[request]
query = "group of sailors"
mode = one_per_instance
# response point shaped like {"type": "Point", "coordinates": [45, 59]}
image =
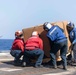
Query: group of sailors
{"type": "Point", "coordinates": [33, 46]}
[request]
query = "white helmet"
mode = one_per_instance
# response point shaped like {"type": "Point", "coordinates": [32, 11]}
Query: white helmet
{"type": "Point", "coordinates": [70, 24]}
{"type": "Point", "coordinates": [18, 33]}
{"type": "Point", "coordinates": [34, 33]}
{"type": "Point", "coordinates": [47, 25]}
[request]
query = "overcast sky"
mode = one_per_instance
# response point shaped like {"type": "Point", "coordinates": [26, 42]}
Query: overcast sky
{"type": "Point", "coordinates": [20, 14]}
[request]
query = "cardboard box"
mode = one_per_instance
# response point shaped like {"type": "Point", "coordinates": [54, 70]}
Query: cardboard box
{"type": "Point", "coordinates": [46, 43]}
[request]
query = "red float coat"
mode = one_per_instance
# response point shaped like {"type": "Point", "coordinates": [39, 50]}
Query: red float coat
{"type": "Point", "coordinates": [18, 44]}
{"type": "Point", "coordinates": [33, 43]}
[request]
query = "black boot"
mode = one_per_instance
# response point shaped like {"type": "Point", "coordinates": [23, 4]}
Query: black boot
{"type": "Point", "coordinates": [24, 64]}
{"type": "Point", "coordinates": [54, 67]}
{"type": "Point", "coordinates": [17, 62]}
{"type": "Point", "coordinates": [65, 67]}
{"type": "Point", "coordinates": [38, 66]}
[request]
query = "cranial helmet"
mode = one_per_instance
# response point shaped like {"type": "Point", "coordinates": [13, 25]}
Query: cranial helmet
{"type": "Point", "coordinates": [34, 33]}
{"type": "Point", "coordinates": [18, 33]}
{"type": "Point", "coordinates": [70, 25]}
{"type": "Point", "coordinates": [47, 25]}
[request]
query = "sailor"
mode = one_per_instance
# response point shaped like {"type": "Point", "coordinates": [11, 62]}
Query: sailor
{"type": "Point", "coordinates": [72, 37]}
{"type": "Point", "coordinates": [34, 48]}
{"type": "Point", "coordinates": [17, 49]}
{"type": "Point", "coordinates": [57, 36]}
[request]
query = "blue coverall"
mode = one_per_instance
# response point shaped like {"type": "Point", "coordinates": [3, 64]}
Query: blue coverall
{"type": "Point", "coordinates": [72, 37]}
{"type": "Point", "coordinates": [56, 35]}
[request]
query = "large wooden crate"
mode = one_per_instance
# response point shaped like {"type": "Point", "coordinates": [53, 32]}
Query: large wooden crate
{"type": "Point", "coordinates": [46, 43]}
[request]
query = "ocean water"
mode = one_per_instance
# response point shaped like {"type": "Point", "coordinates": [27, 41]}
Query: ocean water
{"type": "Point", "coordinates": [5, 44]}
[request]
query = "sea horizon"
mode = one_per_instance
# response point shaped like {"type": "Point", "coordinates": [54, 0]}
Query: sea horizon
{"type": "Point", "coordinates": [5, 44]}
